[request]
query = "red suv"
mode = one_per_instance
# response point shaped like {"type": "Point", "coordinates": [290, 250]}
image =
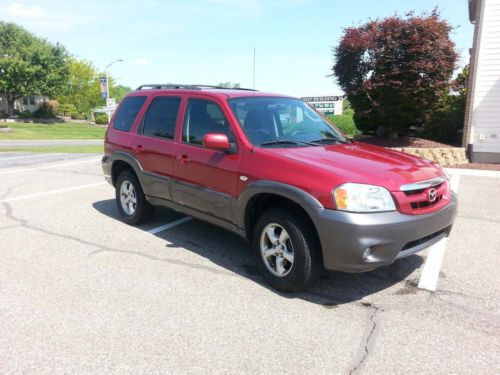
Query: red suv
{"type": "Point", "coordinates": [275, 171]}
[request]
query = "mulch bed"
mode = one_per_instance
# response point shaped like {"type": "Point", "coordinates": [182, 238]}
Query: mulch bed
{"type": "Point", "coordinates": [403, 142]}
{"type": "Point", "coordinates": [423, 143]}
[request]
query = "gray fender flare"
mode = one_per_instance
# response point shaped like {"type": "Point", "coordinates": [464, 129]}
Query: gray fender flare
{"type": "Point", "coordinates": [309, 203]}
{"type": "Point", "coordinates": [129, 159]}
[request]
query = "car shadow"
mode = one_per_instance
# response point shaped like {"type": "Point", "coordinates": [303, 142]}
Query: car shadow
{"type": "Point", "coordinates": [231, 252]}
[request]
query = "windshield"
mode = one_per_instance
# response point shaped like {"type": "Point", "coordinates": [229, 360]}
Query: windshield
{"type": "Point", "coordinates": [283, 122]}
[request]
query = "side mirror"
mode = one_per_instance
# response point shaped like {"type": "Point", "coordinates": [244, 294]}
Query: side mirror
{"type": "Point", "coordinates": [216, 141]}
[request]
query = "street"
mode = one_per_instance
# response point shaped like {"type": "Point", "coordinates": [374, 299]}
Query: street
{"type": "Point", "coordinates": [80, 291]}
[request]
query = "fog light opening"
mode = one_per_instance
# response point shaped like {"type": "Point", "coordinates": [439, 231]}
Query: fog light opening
{"type": "Point", "coordinates": [367, 253]}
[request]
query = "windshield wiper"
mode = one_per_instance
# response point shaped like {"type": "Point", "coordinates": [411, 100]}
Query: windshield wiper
{"type": "Point", "coordinates": [287, 142]}
{"type": "Point", "coordinates": [329, 141]}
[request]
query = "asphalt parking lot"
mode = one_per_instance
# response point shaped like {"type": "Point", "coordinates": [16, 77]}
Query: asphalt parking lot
{"type": "Point", "coordinates": [80, 291]}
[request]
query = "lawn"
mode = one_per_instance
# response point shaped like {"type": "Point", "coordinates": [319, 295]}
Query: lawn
{"type": "Point", "coordinates": [98, 149]}
{"type": "Point", "coordinates": [22, 131]}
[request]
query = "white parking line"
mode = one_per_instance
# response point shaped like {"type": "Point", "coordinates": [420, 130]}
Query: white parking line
{"type": "Point", "coordinates": [169, 225]}
{"type": "Point", "coordinates": [50, 166]}
{"type": "Point", "coordinates": [430, 273]}
{"type": "Point", "coordinates": [29, 156]}
{"type": "Point", "coordinates": [472, 172]}
{"type": "Point", "coordinates": [50, 192]}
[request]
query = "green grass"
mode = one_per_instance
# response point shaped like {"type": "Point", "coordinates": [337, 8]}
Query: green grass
{"type": "Point", "coordinates": [22, 131]}
{"type": "Point", "coordinates": [98, 149]}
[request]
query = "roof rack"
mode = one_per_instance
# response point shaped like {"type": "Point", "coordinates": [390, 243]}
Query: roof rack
{"type": "Point", "coordinates": [175, 86]}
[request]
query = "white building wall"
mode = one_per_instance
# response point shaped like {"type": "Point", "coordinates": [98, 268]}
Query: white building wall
{"type": "Point", "coordinates": [485, 117]}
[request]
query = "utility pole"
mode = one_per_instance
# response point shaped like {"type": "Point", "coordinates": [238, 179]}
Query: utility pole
{"type": "Point", "coordinates": [253, 68]}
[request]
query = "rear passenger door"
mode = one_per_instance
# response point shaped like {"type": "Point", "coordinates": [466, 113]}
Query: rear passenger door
{"type": "Point", "coordinates": [154, 144]}
{"type": "Point", "coordinates": [206, 180]}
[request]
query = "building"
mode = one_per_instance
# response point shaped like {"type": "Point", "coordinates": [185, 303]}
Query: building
{"type": "Point", "coordinates": [482, 112]}
{"type": "Point", "coordinates": [329, 105]}
{"type": "Point", "coordinates": [27, 103]}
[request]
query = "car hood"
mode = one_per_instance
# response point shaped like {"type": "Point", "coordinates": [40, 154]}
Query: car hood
{"type": "Point", "coordinates": [364, 163]}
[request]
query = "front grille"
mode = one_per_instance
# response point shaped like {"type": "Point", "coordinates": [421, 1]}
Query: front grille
{"type": "Point", "coordinates": [417, 201]}
{"type": "Point", "coordinates": [425, 204]}
{"type": "Point", "coordinates": [420, 241]}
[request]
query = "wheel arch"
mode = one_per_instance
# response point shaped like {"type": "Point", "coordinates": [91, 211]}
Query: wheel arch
{"type": "Point", "coordinates": [122, 161]}
{"type": "Point", "coordinates": [261, 195]}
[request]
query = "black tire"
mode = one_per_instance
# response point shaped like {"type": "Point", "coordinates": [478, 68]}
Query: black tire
{"type": "Point", "coordinates": [306, 267]}
{"type": "Point", "coordinates": [143, 209]}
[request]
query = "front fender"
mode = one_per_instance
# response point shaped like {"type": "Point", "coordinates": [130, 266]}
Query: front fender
{"type": "Point", "coordinates": [309, 203]}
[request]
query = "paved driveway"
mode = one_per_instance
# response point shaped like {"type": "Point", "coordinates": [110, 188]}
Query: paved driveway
{"type": "Point", "coordinates": [80, 291]}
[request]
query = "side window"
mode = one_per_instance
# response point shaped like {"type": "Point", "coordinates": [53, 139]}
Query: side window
{"type": "Point", "coordinates": [128, 110]}
{"type": "Point", "coordinates": [202, 117]}
{"type": "Point", "coordinates": [161, 117]}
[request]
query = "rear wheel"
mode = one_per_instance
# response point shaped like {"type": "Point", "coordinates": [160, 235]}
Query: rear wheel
{"type": "Point", "coordinates": [132, 204]}
{"type": "Point", "coordinates": [286, 249]}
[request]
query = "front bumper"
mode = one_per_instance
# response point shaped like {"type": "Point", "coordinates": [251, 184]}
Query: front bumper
{"type": "Point", "coordinates": [358, 242]}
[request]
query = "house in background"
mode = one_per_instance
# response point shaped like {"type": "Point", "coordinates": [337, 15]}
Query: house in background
{"type": "Point", "coordinates": [27, 103]}
{"type": "Point", "coordinates": [482, 112]}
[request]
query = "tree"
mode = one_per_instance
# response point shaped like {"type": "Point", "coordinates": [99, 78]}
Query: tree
{"type": "Point", "coordinates": [117, 92]}
{"type": "Point", "coordinates": [229, 85]}
{"type": "Point", "coordinates": [82, 90]}
{"type": "Point", "coordinates": [393, 70]}
{"type": "Point", "coordinates": [29, 65]}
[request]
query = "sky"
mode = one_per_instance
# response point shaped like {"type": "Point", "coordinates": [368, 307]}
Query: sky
{"type": "Point", "coordinates": [213, 41]}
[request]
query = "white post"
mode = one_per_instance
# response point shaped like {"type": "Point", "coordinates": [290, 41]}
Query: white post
{"type": "Point", "coordinates": [107, 85]}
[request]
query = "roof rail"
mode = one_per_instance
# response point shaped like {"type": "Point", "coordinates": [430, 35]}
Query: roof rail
{"type": "Point", "coordinates": [175, 86]}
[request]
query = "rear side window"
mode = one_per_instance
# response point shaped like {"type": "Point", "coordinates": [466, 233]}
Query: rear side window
{"type": "Point", "coordinates": [127, 112]}
{"type": "Point", "coordinates": [161, 117]}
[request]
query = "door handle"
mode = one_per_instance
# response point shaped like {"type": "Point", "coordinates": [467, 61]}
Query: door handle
{"type": "Point", "coordinates": [138, 149]}
{"type": "Point", "coordinates": [184, 159]}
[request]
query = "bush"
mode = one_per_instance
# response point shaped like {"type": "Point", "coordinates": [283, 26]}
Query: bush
{"type": "Point", "coordinates": [48, 109]}
{"type": "Point", "coordinates": [345, 123]}
{"type": "Point", "coordinates": [101, 118]}
{"type": "Point", "coordinates": [67, 110]}
{"type": "Point", "coordinates": [447, 120]}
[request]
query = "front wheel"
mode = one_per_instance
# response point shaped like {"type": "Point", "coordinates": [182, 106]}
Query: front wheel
{"type": "Point", "coordinates": [132, 204]}
{"type": "Point", "coordinates": [286, 249]}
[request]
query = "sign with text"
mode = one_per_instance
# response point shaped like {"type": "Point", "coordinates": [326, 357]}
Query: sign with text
{"type": "Point", "coordinates": [312, 99]}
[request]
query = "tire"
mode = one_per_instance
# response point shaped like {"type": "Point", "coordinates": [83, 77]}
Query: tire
{"type": "Point", "coordinates": [134, 208]}
{"type": "Point", "coordinates": [295, 264]}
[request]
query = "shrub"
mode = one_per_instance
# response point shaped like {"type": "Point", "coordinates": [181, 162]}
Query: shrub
{"type": "Point", "coordinates": [345, 123]}
{"type": "Point", "coordinates": [101, 118]}
{"type": "Point", "coordinates": [447, 118]}
{"type": "Point", "coordinates": [48, 109]}
{"type": "Point", "coordinates": [66, 109]}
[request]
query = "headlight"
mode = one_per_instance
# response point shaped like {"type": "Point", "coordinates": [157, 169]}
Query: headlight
{"type": "Point", "coordinates": [363, 198]}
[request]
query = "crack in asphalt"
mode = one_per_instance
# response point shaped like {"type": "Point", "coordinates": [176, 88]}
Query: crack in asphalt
{"type": "Point", "coordinates": [103, 248]}
{"type": "Point", "coordinates": [369, 339]}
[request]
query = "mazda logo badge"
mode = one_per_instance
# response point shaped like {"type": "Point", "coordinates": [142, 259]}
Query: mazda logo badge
{"type": "Point", "coordinates": [432, 195]}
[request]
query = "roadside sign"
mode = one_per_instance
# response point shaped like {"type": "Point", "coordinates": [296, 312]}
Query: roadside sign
{"type": "Point", "coordinates": [111, 102]}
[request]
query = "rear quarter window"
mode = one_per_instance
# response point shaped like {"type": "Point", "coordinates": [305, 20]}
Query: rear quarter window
{"type": "Point", "coordinates": [127, 112]}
